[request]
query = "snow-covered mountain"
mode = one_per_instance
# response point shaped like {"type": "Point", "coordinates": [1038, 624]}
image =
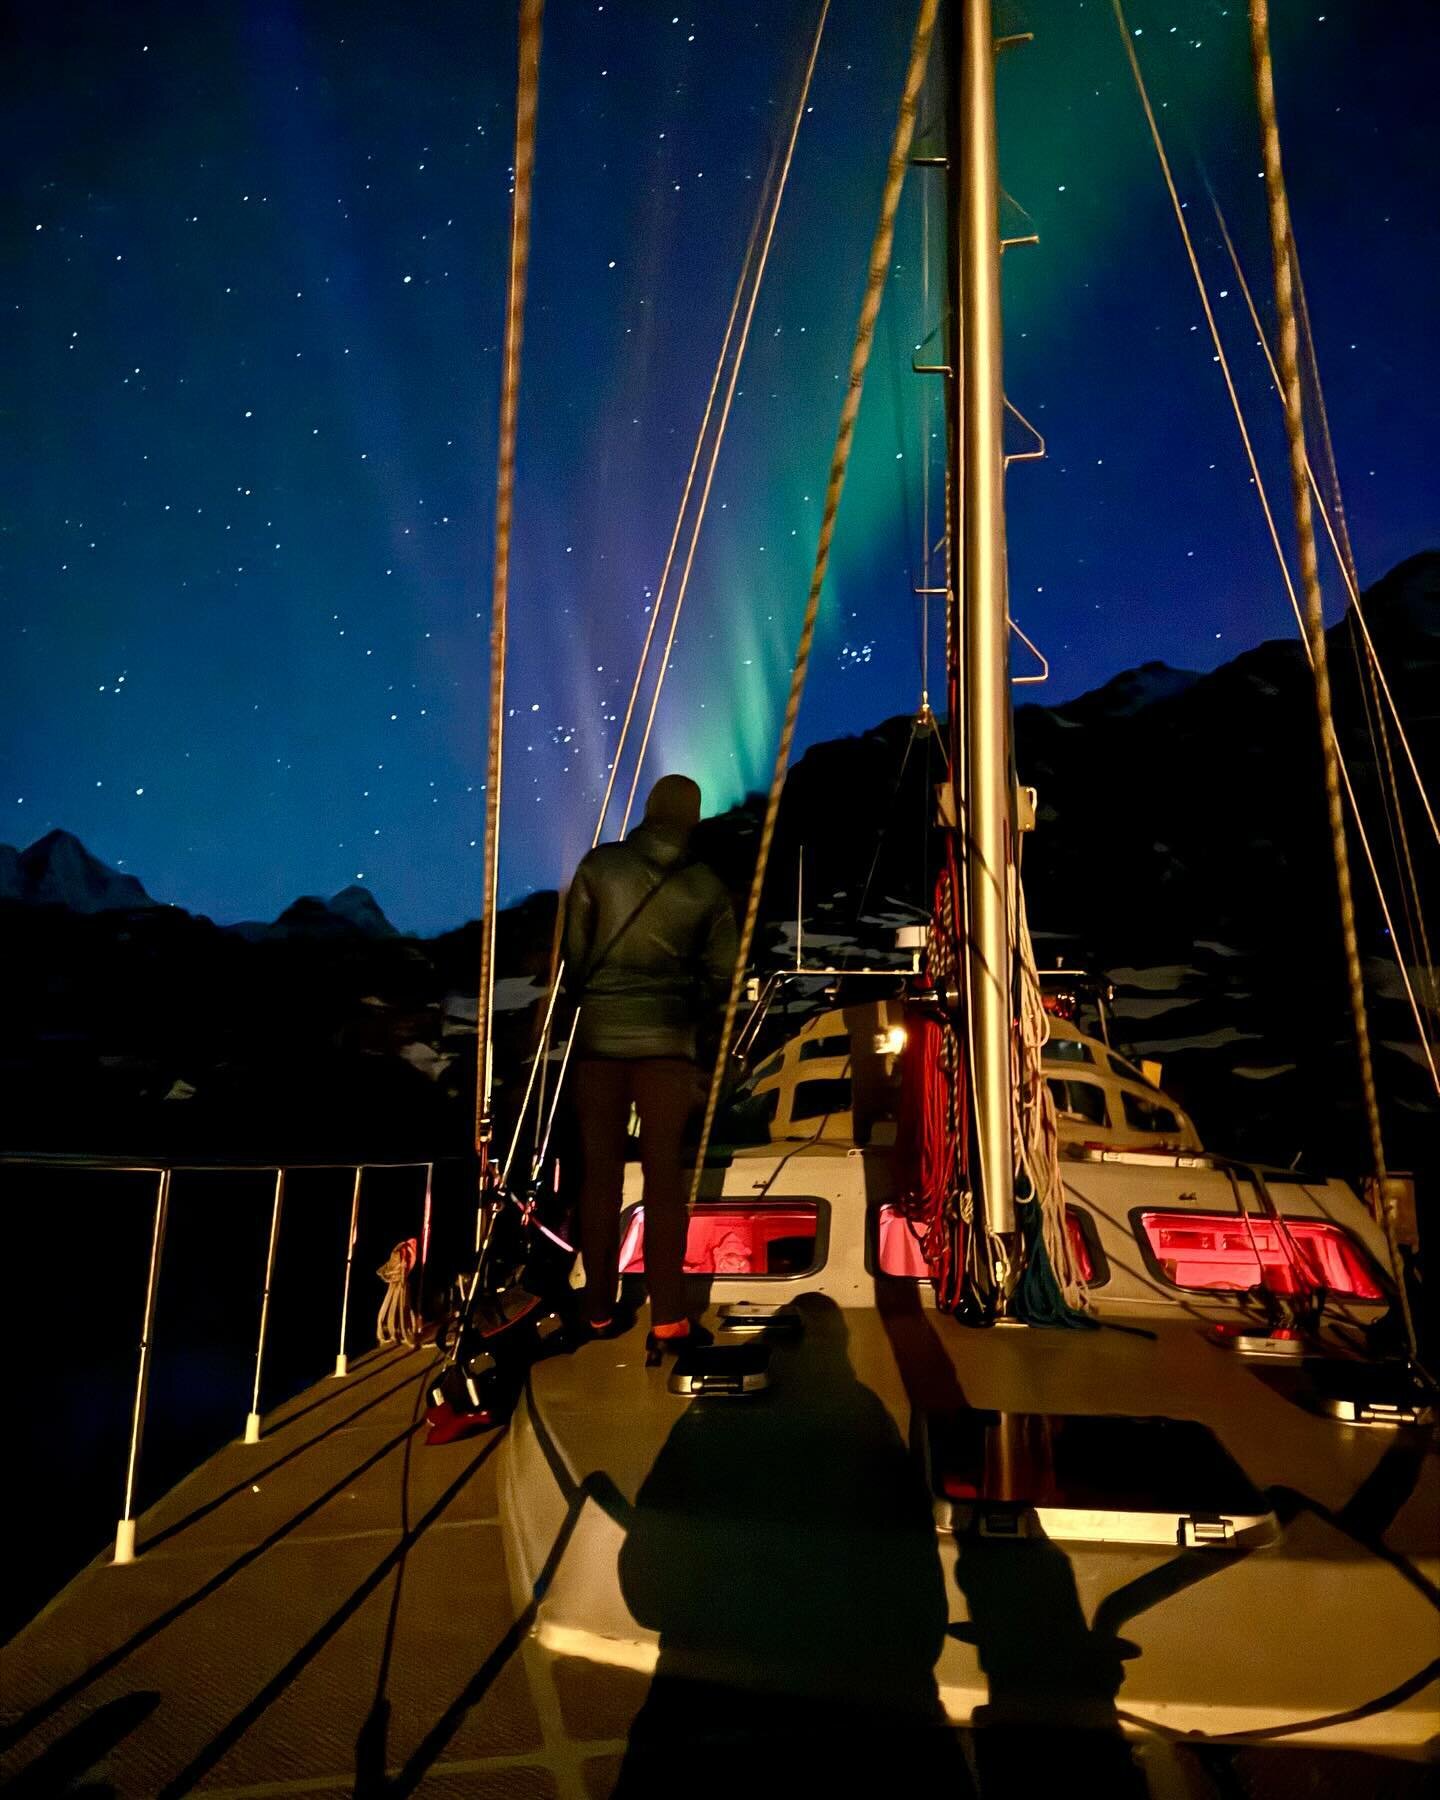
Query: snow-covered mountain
{"type": "Point", "coordinates": [57, 870]}
{"type": "Point", "coordinates": [354, 911]}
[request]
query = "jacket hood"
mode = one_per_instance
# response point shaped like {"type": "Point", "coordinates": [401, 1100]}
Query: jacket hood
{"type": "Point", "coordinates": [660, 844]}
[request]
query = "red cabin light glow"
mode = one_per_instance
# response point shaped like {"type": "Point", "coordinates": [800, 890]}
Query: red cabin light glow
{"type": "Point", "coordinates": [1220, 1252]}
{"type": "Point", "coordinates": [898, 1251]}
{"type": "Point", "coordinates": [1079, 1246]}
{"type": "Point", "coordinates": [897, 1246]}
{"type": "Point", "coordinates": [735, 1240]}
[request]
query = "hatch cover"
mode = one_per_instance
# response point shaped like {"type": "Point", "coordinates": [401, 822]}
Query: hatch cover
{"type": "Point", "coordinates": [1099, 1478]}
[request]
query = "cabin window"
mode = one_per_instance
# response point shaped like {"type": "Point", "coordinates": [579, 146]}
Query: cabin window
{"type": "Point", "coordinates": [771, 1066]}
{"type": "Point", "coordinates": [763, 1239]}
{"type": "Point", "coordinates": [1068, 1050]}
{"type": "Point", "coordinates": [1144, 1115]}
{"type": "Point", "coordinates": [811, 1049]}
{"type": "Point", "coordinates": [1223, 1253]}
{"type": "Point", "coordinates": [819, 1098]}
{"type": "Point", "coordinates": [748, 1118]}
{"type": "Point", "coordinates": [1083, 1100]}
{"type": "Point", "coordinates": [1119, 1065]}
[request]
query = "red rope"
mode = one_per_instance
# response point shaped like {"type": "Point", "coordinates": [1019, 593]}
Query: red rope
{"type": "Point", "coordinates": [933, 1135]}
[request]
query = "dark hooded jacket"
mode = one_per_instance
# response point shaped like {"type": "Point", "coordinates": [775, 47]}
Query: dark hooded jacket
{"type": "Point", "coordinates": [649, 946]}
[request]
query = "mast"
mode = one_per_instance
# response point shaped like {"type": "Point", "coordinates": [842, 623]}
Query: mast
{"type": "Point", "coordinates": [977, 479]}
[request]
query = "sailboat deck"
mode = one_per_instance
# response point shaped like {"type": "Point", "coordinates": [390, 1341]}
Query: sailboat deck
{"type": "Point", "coordinates": [330, 1610]}
{"type": "Point", "coordinates": [311, 1614]}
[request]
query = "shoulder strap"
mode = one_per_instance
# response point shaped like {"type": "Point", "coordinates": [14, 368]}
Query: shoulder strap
{"type": "Point", "coordinates": [596, 963]}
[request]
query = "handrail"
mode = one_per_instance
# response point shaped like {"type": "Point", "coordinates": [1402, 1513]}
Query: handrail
{"type": "Point", "coordinates": [120, 1165]}
{"type": "Point", "coordinates": [165, 1172]}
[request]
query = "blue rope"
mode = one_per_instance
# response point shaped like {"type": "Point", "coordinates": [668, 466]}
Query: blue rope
{"type": "Point", "coordinates": [1039, 1297]}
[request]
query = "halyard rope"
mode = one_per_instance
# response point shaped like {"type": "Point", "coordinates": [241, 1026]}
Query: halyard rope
{"type": "Point", "coordinates": [1287, 348]}
{"type": "Point", "coordinates": [527, 96]}
{"type": "Point", "coordinates": [1263, 498]}
{"type": "Point", "coordinates": [752, 275]}
{"type": "Point", "coordinates": [1333, 517]}
{"type": "Point", "coordinates": [1281, 255]}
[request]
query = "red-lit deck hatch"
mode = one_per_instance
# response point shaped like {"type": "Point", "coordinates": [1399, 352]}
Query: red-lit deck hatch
{"type": "Point", "coordinates": [1223, 1252]}
{"type": "Point", "coordinates": [763, 1239]}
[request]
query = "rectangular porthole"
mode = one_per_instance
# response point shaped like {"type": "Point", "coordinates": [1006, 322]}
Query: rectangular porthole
{"type": "Point", "coordinates": [1225, 1253]}
{"type": "Point", "coordinates": [778, 1239]}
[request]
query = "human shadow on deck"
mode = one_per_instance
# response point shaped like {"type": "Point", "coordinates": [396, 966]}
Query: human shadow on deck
{"type": "Point", "coordinates": [784, 1550]}
{"type": "Point", "coordinates": [1051, 1715]}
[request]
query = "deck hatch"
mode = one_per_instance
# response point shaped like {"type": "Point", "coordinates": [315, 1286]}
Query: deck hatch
{"type": "Point", "coordinates": [1098, 1478]}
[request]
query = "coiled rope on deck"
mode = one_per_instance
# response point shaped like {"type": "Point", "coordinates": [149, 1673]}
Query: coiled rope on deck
{"type": "Point", "coordinates": [526, 102]}
{"type": "Point", "coordinates": [844, 438]}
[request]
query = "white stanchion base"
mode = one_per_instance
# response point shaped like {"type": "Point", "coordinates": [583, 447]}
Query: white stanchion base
{"type": "Point", "coordinates": [342, 1365]}
{"type": "Point", "coordinates": [252, 1428]}
{"type": "Point", "coordinates": [124, 1542]}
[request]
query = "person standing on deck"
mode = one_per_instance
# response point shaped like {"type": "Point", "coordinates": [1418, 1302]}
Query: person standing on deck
{"type": "Point", "coordinates": [650, 946]}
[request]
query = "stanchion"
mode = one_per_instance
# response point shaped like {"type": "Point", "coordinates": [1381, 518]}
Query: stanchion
{"type": "Point", "coordinates": [125, 1529]}
{"type": "Point", "coordinates": [252, 1423]}
{"type": "Point", "coordinates": [425, 1226]}
{"type": "Point", "coordinates": [342, 1361]}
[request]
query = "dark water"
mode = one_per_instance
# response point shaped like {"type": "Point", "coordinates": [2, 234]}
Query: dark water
{"type": "Point", "coordinates": [78, 1244]}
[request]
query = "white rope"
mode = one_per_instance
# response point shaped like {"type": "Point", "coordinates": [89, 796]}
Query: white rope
{"type": "Point", "coordinates": [396, 1323]}
{"type": "Point", "coordinates": [1036, 1127]}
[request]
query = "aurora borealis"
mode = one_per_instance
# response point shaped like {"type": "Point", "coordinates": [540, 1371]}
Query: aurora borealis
{"type": "Point", "coordinates": [256, 289]}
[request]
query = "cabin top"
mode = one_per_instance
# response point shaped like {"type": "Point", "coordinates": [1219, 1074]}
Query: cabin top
{"type": "Point", "coordinates": [838, 1079]}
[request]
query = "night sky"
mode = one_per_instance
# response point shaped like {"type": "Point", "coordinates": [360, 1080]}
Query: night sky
{"type": "Point", "coordinates": [255, 279]}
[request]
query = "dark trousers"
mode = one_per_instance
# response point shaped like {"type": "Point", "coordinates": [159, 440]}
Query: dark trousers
{"type": "Point", "coordinates": [663, 1090]}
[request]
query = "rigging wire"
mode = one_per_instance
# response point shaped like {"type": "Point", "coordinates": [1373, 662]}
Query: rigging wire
{"type": "Point", "coordinates": [526, 101]}
{"type": "Point", "coordinates": [752, 272]}
{"type": "Point", "coordinates": [1266, 510]}
{"type": "Point", "coordinates": [744, 339]}
{"type": "Point", "coordinates": [1282, 253]}
{"type": "Point", "coordinates": [1281, 240]}
{"type": "Point", "coordinates": [1369, 670]}
{"type": "Point", "coordinates": [658, 604]}
{"type": "Point", "coordinates": [839, 463]}
{"type": "Point", "coordinates": [1333, 513]}
{"type": "Point", "coordinates": [926, 549]}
